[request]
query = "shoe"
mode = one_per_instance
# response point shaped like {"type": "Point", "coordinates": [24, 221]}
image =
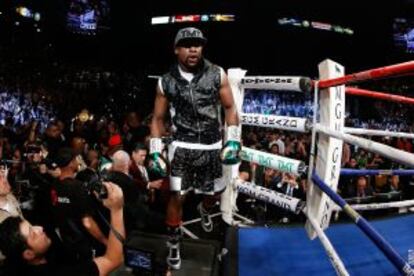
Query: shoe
{"type": "Point", "coordinates": [206, 222]}
{"type": "Point", "coordinates": [174, 257]}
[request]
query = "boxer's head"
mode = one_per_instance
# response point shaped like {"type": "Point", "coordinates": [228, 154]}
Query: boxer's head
{"type": "Point", "coordinates": [189, 43]}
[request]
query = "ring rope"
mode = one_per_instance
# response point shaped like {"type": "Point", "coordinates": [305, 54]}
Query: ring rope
{"type": "Point", "coordinates": [330, 250]}
{"type": "Point", "coordinates": [379, 206]}
{"type": "Point", "coordinates": [286, 202]}
{"type": "Point", "coordinates": [279, 122]}
{"type": "Point", "coordinates": [376, 132]}
{"type": "Point", "coordinates": [363, 172]}
{"type": "Point", "coordinates": [400, 156]}
{"type": "Point", "coordinates": [273, 161]}
{"type": "Point", "coordinates": [366, 227]}
{"type": "Point", "coordinates": [373, 74]}
{"type": "Point", "coordinates": [378, 95]}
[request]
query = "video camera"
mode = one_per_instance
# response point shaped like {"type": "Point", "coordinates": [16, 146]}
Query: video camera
{"type": "Point", "coordinates": [92, 182]}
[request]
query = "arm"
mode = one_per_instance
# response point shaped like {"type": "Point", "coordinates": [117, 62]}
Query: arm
{"type": "Point", "coordinates": [113, 257]}
{"type": "Point", "coordinates": [227, 101]}
{"type": "Point", "coordinates": [157, 165]}
{"type": "Point", "coordinates": [92, 227]}
{"type": "Point", "coordinates": [230, 153]}
{"type": "Point", "coordinates": [160, 109]}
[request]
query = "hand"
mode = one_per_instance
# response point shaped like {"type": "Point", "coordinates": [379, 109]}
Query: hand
{"type": "Point", "coordinates": [115, 200]}
{"type": "Point", "coordinates": [157, 165]}
{"type": "Point", "coordinates": [230, 154]}
{"type": "Point", "coordinates": [155, 184]}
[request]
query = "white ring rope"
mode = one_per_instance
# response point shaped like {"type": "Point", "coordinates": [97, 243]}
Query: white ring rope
{"type": "Point", "coordinates": [376, 132]}
{"type": "Point", "coordinates": [378, 206]}
{"type": "Point", "coordinates": [292, 204]}
{"type": "Point", "coordinates": [330, 250]}
{"type": "Point", "coordinates": [273, 121]}
{"type": "Point", "coordinates": [279, 83]}
{"type": "Point", "coordinates": [400, 156]}
{"type": "Point", "coordinates": [273, 161]}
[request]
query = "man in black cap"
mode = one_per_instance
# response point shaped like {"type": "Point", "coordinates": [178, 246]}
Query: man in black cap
{"type": "Point", "coordinates": [73, 210]}
{"type": "Point", "coordinates": [194, 90]}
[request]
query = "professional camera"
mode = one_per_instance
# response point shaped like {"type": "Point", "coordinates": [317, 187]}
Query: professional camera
{"type": "Point", "coordinates": [145, 254]}
{"type": "Point", "coordinates": [98, 187]}
{"type": "Point", "coordinates": [94, 183]}
{"type": "Point", "coordinates": [32, 149]}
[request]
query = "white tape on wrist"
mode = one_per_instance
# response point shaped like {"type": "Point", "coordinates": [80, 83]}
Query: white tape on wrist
{"type": "Point", "coordinates": [155, 145]}
{"type": "Point", "coordinates": [233, 133]}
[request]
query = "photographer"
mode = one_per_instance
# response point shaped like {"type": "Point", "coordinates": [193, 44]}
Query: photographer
{"type": "Point", "coordinates": [73, 210]}
{"type": "Point", "coordinates": [37, 177]}
{"type": "Point", "coordinates": [29, 247]}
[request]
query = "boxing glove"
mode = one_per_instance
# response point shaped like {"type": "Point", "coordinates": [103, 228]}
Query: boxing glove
{"type": "Point", "coordinates": [157, 165]}
{"type": "Point", "coordinates": [230, 153]}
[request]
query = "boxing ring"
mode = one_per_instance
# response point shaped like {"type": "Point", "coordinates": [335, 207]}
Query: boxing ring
{"type": "Point", "coordinates": [328, 134]}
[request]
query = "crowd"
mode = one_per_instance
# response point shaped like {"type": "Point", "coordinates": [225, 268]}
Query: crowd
{"type": "Point", "coordinates": [55, 173]}
{"type": "Point", "coordinates": [377, 115]}
{"type": "Point", "coordinates": [283, 104]}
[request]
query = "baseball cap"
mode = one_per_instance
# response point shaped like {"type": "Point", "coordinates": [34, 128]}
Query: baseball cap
{"type": "Point", "coordinates": [115, 140]}
{"type": "Point", "coordinates": [64, 156]}
{"type": "Point", "coordinates": [189, 33]}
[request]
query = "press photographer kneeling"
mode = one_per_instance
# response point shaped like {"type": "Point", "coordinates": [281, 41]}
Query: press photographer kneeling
{"type": "Point", "coordinates": [30, 251]}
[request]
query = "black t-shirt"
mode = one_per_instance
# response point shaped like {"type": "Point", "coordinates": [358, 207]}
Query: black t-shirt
{"type": "Point", "coordinates": [70, 200]}
{"type": "Point", "coordinates": [87, 268]}
{"type": "Point", "coordinates": [70, 204]}
{"type": "Point", "coordinates": [81, 269]}
{"type": "Point", "coordinates": [57, 265]}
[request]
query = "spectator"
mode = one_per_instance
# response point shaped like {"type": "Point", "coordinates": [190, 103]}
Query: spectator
{"type": "Point", "coordinates": [393, 184]}
{"type": "Point", "coordinates": [290, 187]}
{"type": "Point", "coordinates": [28, 246]}
{"type": "Point", "coordinates": [362, 188]}
{"type": "Point", "coordinates": [73, 210]}
{"type": "Point", "coordinates": [137, 213]}
{"type": "Point", "coordinates": [140, 175]}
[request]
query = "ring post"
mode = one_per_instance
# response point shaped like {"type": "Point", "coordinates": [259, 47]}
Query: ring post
{"type": "Point", "coordinates": [329, 151]}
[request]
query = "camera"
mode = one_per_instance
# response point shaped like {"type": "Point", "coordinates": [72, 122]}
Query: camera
{"type": "Point", "coordinates": [94, 183]}
{"type": "Point", "coordinates": [145, 254]}
{"type": "Point", "coordinates": [98, 187]}
{"type": "Point", "coordinates": [33, 149]}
